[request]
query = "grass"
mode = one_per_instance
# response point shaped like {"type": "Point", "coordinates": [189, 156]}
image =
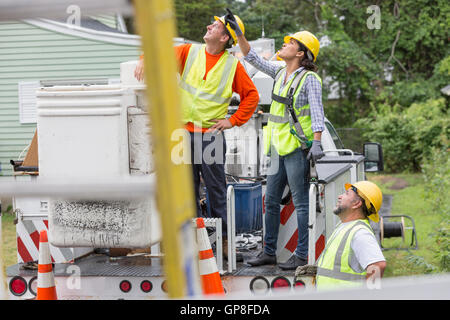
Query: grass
{"type": "Point", "coordinates": [8, 243]}
{"type": "Point", "coordinates": [412, 201]}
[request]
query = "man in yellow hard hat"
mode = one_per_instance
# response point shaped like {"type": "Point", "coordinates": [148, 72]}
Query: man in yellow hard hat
{"type": "Point", "coordinates": [352, 254]}
{"type": "Point", "coordinates": [226, 19]}
{"type": "Point", "coordinates": [209, 75]}
{"type": "Point", "coordinates": [292, 137]}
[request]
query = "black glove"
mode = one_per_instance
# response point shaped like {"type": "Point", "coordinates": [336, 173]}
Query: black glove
{"type": "Point", "coordinates": [316, 151]}
{"type": "Point", "coordinates": [231, 20]}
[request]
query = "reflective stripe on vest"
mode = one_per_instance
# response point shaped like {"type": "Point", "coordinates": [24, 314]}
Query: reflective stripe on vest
{"type": "Point", "coordinates": [204, 100]}
{"type": "Point", "coordinates": [333, 267]}
{"type": "Point", "coordinates": [285, 118]}
{"type": "Point", "coordinates": [278, 126]}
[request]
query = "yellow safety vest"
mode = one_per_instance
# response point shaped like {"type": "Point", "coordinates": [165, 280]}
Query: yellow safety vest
{"type": "Point", "coordinates": [204, 100]}
{"type": "Point", "coordinates": [277, 132]}
{"type": "Point", "coordinates": [333, 266]}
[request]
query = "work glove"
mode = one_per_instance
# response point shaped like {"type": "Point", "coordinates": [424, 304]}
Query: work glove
{"type": "Point", "coordinates": [231, 20]}
{"type": "Point", "coordinates": [315, 153]}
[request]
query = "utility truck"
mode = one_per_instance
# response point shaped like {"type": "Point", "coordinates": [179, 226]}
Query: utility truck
{"type": "Point", "coordinates": [108, 248]}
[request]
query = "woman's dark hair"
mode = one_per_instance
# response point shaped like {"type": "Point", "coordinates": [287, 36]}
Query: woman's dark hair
{"type": "Point", "coordinates": [307, 63]}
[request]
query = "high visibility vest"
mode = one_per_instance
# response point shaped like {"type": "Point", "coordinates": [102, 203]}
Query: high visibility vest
{"type": "Point", "coordinates": [333, 266]}
{"type": "Point", "coordinates": [277, 132]}
{"type": "Point", "coordinates": [204, 100]}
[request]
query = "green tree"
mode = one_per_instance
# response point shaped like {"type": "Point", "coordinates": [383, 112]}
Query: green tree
{"type": "Point", "coordinates": [389, 76]}
{"type": "Point", "coordinates": [409, 136]}
{"type": "Point", "coordinates": [194, 15]}
{"type": "Point", "coordinates": [409, 43]}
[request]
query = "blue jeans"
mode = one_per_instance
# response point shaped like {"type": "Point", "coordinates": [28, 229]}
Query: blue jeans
{"type": "Point", "coordinates": [294, 170]}
{"type": "Point", "coordinates": [208, 161]}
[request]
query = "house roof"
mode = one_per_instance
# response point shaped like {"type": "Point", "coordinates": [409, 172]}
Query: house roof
{"type": "Point", "coordinates": [94, 24]}
{"type": "Point", "coordinates": [88, 29]}
{"type": "Point", "coordinates": [94, 30]}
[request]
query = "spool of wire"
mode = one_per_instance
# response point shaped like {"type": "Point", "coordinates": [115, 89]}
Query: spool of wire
{"type": "Point", "coordinates": [392, 229]}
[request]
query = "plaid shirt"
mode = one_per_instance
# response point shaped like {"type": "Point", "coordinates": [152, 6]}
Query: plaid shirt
{"type": "Point", "coordinates": [311, 91]}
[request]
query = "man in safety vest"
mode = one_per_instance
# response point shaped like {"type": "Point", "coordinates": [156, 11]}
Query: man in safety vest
{"type": "Point", "coordinates": [209, 75]}
{"type": "Point", "coordinates": [352, 254]}
{"type": "Point", "coordinates": [292, 137]}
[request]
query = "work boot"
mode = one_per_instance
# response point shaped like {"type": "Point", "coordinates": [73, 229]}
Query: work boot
{"type": "Point", "coordinates": [292, 263]}
{"type": "Point", "coordinates": [239, 257]}
{"type": "Point", "coordinates": [262, 259]}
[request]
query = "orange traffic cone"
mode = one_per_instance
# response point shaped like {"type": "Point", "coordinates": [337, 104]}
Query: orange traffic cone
{"type": "Point", "coordinates": [209, 273]}
{"type": "Point", "coordinates": [46, 289]}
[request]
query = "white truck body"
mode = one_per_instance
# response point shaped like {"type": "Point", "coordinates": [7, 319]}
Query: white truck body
{"type": "Point", "coordinates": [103, 131]}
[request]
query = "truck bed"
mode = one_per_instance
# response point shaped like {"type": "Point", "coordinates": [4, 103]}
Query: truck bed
{"type": "Point", "coordinates": [244, 269]}
{"type": "Point", "coordinates": [101, 265]}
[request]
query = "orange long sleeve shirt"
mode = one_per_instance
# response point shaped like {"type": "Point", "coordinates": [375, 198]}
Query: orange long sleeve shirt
{"type": "Point", "coordinates": [242, 85]}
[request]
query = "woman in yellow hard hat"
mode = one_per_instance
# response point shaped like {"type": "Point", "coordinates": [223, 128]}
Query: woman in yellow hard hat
{"type": "Point", "coordinates": [290, 144]}
{"type": "Point", "coordinates": [308, 44]}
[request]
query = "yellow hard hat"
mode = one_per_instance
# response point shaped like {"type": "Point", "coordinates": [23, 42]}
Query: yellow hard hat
{"type": "Point", "coordinates": [308, 40]}
{"type": "Point", "coordinates": [230, 30]}
{"type": "Point", "coordinates": [372, 196]}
